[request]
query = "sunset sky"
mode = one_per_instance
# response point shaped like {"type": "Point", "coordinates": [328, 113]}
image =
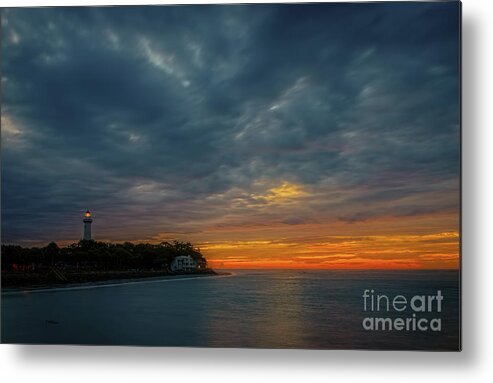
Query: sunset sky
{"type": "Point", "coordinates": [293, 136]}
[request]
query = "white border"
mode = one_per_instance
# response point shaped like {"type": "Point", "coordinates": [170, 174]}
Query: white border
{"type": "Point", "coordinates": [135, 364]}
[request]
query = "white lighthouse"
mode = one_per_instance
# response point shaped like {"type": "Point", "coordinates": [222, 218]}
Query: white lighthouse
{"type": "Point", "coordinates": [87, 226]}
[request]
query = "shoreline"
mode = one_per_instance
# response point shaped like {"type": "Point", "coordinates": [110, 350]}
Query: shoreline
{"type": "Point", "coordinates": [109, 282]}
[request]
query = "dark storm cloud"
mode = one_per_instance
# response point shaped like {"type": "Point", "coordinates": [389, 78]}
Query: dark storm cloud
{"type": "Point", "coordinates": [171, 115]}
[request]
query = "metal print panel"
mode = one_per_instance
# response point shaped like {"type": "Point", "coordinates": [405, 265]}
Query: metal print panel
{"type": "Point", "coordinates": [267, 176]}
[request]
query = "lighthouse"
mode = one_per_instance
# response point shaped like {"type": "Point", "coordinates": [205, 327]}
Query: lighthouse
{"type": "Point", "coordinates": [87, 226]}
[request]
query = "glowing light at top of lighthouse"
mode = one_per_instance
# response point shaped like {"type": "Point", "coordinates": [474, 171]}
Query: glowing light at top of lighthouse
{"type": "Point", "coordinates": [88, 214]}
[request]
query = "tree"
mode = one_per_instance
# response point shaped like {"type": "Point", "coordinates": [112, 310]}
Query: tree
{"type": "Point", "coordinates": [51, 253]}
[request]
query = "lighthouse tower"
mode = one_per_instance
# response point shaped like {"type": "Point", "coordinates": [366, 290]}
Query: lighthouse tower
{"type": "Point", "coordinates": [87, 226]}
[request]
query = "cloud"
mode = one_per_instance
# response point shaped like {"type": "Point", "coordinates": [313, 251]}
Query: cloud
{"type": "Point", "coordinates": [185, 119]}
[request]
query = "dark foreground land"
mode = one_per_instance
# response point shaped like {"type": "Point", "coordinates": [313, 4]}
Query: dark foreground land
{"type": "Point", "coordinates": [92, 262]}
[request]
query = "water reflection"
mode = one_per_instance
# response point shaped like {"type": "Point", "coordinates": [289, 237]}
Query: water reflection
{"type": "Point", "coordinates": [268, 309]}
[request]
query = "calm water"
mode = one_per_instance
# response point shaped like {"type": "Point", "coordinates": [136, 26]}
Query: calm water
{"type": "Point", "coordinates": [264, 309]}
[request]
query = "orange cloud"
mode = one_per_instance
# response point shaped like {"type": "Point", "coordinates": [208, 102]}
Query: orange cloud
{"type": "Point", "coordinates": [311, 246]}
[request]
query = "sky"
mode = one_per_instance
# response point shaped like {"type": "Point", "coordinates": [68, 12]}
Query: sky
{"type": "Point", "coordinates": [276, 136]}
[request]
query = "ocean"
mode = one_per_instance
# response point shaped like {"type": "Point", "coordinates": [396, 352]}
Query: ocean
{"type": "Point", "coordinates": [309, 309]}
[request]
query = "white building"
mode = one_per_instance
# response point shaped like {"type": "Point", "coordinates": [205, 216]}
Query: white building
{"type": "Point", "coordinates": [183, 263]}
{"type": "Point", "coordinates": [87, 226]}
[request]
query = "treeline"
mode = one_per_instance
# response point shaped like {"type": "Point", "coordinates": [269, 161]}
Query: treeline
{"type": "Point", "coordinates": [93, 255]}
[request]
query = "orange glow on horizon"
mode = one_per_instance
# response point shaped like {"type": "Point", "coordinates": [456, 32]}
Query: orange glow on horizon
{"type": "Point", "coordinates": [427, 242]}
{"type": "Point", "coordinates": [433, 251]}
